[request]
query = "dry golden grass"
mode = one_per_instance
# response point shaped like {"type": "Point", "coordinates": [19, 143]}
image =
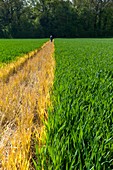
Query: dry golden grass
{"type": "Point", "coordinates": [24, 98]}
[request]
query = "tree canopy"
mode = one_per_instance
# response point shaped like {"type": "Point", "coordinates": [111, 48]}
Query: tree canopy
{"type": "Point", "coordinates": [62, 18]}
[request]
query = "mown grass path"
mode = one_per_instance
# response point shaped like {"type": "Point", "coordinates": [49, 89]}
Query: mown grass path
{"type": "Point", "coordinates": [23, 102]}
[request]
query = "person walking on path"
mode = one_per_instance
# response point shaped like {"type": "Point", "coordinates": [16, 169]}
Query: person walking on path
{"type": "Point", "coordinates": [51, 38]}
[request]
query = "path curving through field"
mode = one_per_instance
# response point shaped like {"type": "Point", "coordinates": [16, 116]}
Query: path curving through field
{"type": "Point", "coordinates": [23, 104]}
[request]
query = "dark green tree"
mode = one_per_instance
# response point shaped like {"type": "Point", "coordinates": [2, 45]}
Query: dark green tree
{"type": "Point", "coordinates": [62, 18]}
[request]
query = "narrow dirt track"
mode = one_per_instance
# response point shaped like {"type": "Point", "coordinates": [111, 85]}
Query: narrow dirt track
{"type": "Point", "coordinates": [23, 104]}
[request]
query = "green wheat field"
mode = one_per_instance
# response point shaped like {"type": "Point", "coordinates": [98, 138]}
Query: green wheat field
{"type": "Point", "coordinates": [80, 125]}
{"type": "Point", "coordinates": [79, 130]}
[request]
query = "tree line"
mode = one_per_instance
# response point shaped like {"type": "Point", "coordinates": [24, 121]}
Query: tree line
{"type": "Point", "coordinates": [62, 18]}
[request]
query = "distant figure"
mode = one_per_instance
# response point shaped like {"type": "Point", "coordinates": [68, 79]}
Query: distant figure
{"type": "Point", "coordinates": [51, 38]}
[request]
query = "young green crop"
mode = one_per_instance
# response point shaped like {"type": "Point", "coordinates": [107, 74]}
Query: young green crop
{"type": "Point", "coordinates": [80, 125]}
{"type": "Point", "coordinates": [11, 49]}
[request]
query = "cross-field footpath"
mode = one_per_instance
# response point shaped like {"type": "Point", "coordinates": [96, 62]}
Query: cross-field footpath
{"type": "Point", "coordinates": [24, 99]}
